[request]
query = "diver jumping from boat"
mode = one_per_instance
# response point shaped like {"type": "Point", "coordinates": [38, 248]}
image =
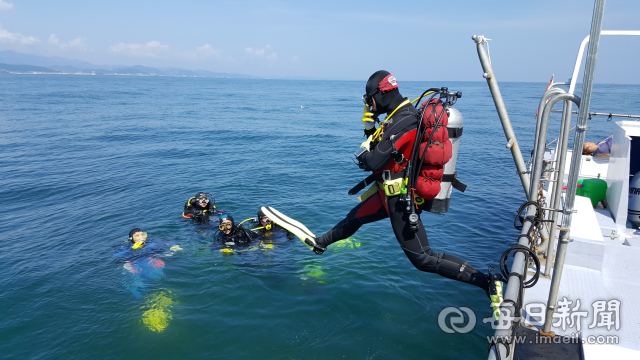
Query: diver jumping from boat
{"type": "Point", "coordinates": [388, 153]}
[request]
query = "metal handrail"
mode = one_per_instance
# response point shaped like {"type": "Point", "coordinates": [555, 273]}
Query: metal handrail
{"type": "Point", "coordinates": [578, 142]}
{"type": "Point", "coordinates": [518, 269]}
{"type": "Point", "coordinates": [584, 43]}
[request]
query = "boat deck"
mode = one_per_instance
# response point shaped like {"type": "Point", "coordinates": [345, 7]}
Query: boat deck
{"type": "Point", "coordinates": [599, 295]}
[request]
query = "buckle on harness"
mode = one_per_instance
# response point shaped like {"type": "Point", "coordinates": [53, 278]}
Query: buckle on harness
{"type": "Point", "coordinates": [386, 175]}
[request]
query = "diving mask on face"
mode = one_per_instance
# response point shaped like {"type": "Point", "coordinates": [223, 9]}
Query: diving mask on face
{"type": "Point", "coordinates": [205, 199]}
{"type": "Point", "coordinates": [366, 98]}
{"type": "Point", "coordinates": [139, 236]}
{"type": "Point", "coordinates": [224, 226]}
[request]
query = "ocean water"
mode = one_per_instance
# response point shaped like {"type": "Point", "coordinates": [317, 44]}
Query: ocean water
{"type": "Point", "coordinates": [87, 158]}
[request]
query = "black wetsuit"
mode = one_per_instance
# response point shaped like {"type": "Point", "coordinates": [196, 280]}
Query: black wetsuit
{"type": "Point", "coordinates": [199, 214]}
{"type": "Point", "coordinates": [259, 231]}
{"type": "Point", "coordinates": [379, 206]}
{"type": "Point", "coordinates": [238, 235]}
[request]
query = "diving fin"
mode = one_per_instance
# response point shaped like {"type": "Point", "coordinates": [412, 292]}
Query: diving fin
{"type": "Point", "coordinates": [294, 227]}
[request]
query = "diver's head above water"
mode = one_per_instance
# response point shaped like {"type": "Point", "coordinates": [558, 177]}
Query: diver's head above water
{"type": "Point", "coordinates": [263, 219]}
{"type": "Point", "coordinates": [202, 200]}
{"type": "Point", "coordinates": [137, 237]}
{"type": "Point", "coordinates": [226, 224]}
{"type": "Point", "coordinates": [382, 93]}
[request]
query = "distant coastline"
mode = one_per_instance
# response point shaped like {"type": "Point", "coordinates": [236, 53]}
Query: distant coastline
{"type": "Point", "coordinates": [93, 73]}
{"type": "Point", "coordinates": [12, 62]}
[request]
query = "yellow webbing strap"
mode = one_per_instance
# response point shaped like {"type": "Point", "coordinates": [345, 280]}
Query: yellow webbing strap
{"type": "Point", "coordinates": [376, 135]}
{"type": "Point", "coordinates": [369, 193]}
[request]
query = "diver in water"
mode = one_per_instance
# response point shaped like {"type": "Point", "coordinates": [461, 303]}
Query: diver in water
{"type": "Point", "coordinates": [264, 228]}
{"type": "Point", "coordinates": [200, 208]}
{"type": "Point", "coordinates": [382, 96]}
{"type": "Point", "coordinates": [231, 234]}
{"type": "Point", "coordinates": [143, 272]}
{"type": "Point", "coordinates": [142, 260]}
{"type": "Point", "coordinates": [138, 245]}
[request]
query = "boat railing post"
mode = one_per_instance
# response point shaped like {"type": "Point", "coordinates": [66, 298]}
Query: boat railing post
{"type": "Point", "coordinates": [576, 156]}
{"type": "Point", "coordinates": [502, 111]}
{"type": "Point", "coordinates": [512, 142]}
{"type": "Point", "coordinates": [561, 156]}
{"type": "Point", "coordinates": [541, 140]}
{"type": "Point", "coordinates": [508, 313]}
{"type": "Point", "coordinates": [508, 316]}
{"type": "Point", "coordinates": [549, 93]}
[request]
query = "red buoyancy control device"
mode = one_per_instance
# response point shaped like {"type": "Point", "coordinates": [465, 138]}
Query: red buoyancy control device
{"type": "Point", "coordinates": [439, 152]}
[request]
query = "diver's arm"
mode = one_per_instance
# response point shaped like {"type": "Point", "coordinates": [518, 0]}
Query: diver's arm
{"type": "Point", "coordinates": [122, 251]}
{"type": "Point", "coordinates": [376, 159]}
{"type": "Point", "coordinates": [188, 210]}
{"type": "Point", "coordinates": [382, 153]}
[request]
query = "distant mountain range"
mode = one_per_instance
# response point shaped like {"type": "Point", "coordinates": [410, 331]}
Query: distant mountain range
{"type": "Point", "coordinates": [15, 62]}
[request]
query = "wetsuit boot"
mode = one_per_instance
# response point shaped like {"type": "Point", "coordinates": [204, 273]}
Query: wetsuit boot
{"type": "Point", "coordinates": [312, 243]}
{"type": "Point", "coordinates": [494, 291]}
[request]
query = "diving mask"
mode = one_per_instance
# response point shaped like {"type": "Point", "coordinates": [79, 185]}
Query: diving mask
{"type": "Point", "coordinates": [203, 200]}
{"type": "Point", "coordinates": [366, 98]}
{"type": "Point", "coordinates": [139, 236]}
{"type": "Point", "coordinates": [224, 226]}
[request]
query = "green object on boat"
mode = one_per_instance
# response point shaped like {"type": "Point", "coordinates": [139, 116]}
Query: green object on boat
{"type": "Point", "coordinates": [594, 189]}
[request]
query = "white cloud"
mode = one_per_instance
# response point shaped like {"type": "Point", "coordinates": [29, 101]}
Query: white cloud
{"type": "Point", "coordinates": [79, 43]}
{"type": "Point", "coordinates": [266, 52]}
{"type": "Point", "coordinates": [150, 49]}
{"type": "Point", "coordinates": [16, 38]}
{"type": "Point", "coordinates": [5, 5]}
{"type": "Point", "coordinates": [202, 52]}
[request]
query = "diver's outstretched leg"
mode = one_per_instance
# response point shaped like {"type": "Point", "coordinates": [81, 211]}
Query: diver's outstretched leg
{"type": "Point", "coordinates": [416, 247]}
{"type": "Point", "coordinates": [366, 212]}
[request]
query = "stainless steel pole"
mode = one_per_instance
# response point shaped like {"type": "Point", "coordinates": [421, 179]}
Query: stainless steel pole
{"type": "Point", "coordinates": [541, 139]}
{"type": "Point", "coordinates": [512, 142]}
{"type": "Point", "coordinates": [502, 111]}
{"type": "Point", "coordinates": [549, 93]}
{"type": "Point", "coordinates": [561, 151]}
{"type": "Point", "coordinates": [581, 127]}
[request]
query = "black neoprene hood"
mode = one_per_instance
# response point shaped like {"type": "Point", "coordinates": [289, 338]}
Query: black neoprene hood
{"type": "Point", "coordinates": [134, 231]}
{"type": "Point", "coordinates": [385, 102]}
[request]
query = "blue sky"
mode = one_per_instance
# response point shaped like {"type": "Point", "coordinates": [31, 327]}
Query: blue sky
{"type": "Point", "coordinates": [415, 40]}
